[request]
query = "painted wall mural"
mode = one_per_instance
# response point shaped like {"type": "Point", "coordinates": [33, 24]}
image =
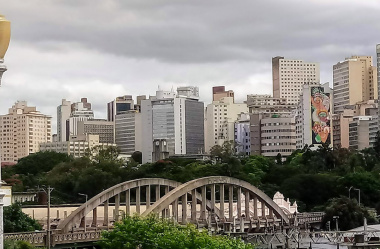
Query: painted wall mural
{"type": "Point", "coordinates": [320, 116]}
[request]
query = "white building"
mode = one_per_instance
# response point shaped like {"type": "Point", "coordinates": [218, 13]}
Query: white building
{"type": "Point", "coordinates": [63, 114]}
{"type": "Point", "coordinates": [128, 130]}
{"type": "Point", "coordinates": [242, 135]}
{"type": "Point", "coordinates": [290, 75]}
{"type": "Point", "coordinates": [21, 131]}
{"type": "Point", "coordinates": [76, 146]}
{"type": "Point", "coordinates": [314, 116]}
{"type": "Point", "coordinates": [101, 127]}
{"type": "Point", "coordinates": [172, 124]}
{"type": "Point", "coordinates": [220, 120]}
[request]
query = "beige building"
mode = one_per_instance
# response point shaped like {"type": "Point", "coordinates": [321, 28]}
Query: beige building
{"type": "Point", "coordinates": [367, 111]}
{"type": "Point", "coordinates": [101, 127]}
{"type": "Point", "coordinates": [289, 76]}
{"type": "Point", "coordinates": [354, 80]}
{"type": "Point", "coordinates": [272, 134]}
{"type": "Point", "coordinates": [220, 117]}
{"type": "Point", "coordinates": [22, 130]}
{"type": "Point", "coordinates": [76, 146]}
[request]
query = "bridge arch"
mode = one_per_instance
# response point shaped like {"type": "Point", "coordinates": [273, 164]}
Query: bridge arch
{"type": "Point", "coordinates": [234, 185]}
{"type": "Point", "coordinates": [78, 215]}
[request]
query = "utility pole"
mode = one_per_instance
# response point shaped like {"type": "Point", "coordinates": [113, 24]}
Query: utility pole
{"type": "Point", "coordinates": [48, 234]}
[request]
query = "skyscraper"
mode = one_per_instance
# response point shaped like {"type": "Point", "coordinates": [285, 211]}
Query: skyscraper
{"type": "Point", "coordinates": [289, 76]}
{"type": "Point", "coordinates": [172, 124]}
{"type": "Point", "coordinates": [354, 80]}
{"type": "Point", "coordinates": [63, 114]}
{"type": "Point", "coordinates": [21, 131]}
{"type": "Point", "coordinates": [219, 92]}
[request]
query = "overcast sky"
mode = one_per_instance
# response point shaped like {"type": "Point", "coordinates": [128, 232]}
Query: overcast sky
{"type": "Point", "coordinates": [101, 49]}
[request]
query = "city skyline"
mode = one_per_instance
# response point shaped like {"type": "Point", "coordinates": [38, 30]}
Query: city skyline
{"type": "Point", "coordinates": [134, 48]}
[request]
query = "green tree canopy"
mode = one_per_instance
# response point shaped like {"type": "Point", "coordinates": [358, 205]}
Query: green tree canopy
{"type": "Point", "coordinates": [16, 221]}
{"type": "Point", "coordinates": [153, 233]}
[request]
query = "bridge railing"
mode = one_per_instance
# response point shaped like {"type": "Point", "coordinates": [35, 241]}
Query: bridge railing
{"type": "Point", "coordinates": [34, 238]}
{"type": "Point", "coordinates": [76, 237]}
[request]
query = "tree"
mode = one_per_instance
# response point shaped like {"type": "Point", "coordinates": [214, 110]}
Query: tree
{"type": "Point", "coordinates": [351, 215]}
{"type": "Point", "coordinates": [153, 233]}
{"type": "Point", "coordinates": [137, 157]}
{"type": "Point", "coordinates": [16, 221]}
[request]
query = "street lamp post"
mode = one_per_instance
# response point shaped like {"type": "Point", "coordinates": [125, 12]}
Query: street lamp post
{"type": "Point", "coordinates": [48, 236]}
{"type": "Point", "coordinates": [85, 211]}
{"type": "Point", "coordinates": [357, 189]}
{"type": "Point", "coordinates": [336, 218]}
{"type": "Point", "coordinates": [349, 192]}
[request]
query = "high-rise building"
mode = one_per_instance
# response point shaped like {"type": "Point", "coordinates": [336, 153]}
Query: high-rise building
{"type": "Point", "coordinates": [80, 111]}
{"type": "Point", "coordinates": [172, 124]}
{"type": "Point", "coordinates": [264, 103]}
{"type": "Point", "coordinates": [22, 130]}
{"type": "Point", "coordinates": [128, 132]}
{"type": "Point", "coordinates": [219, 92]}
{"type": "Point", "coordinates": [119, 105]}
{"type": "Point", "coordinates": [289, 76]}
{"type": "Point", "coordinates": [220, 117]}
{"type": "Point", "coordinates": [354, 80]}
{"type": "Point", "coordinates": [378, 79]}
{"type": "Point", "coordinates": [101, 127]}
{"type": "Point", "coordinates": [272, 134]}
{"type": "Point", "coordinates": [314, 116]}
{"type": "Point", "coordinates": [63, 114]}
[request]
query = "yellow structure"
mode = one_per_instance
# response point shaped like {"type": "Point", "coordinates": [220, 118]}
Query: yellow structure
{"type": "Point", "coordinates": [5, 35]}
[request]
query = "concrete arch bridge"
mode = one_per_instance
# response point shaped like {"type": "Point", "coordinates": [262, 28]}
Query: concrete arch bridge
{"type": "Point", "coordinates": [214, 202]}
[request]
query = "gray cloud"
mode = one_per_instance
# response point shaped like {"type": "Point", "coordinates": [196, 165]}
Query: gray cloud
{"type": "Point", "coordinates": [104, 48]}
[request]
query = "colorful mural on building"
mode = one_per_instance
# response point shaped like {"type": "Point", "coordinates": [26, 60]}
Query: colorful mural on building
{"type": "Point", "coordinates": [320, 116]}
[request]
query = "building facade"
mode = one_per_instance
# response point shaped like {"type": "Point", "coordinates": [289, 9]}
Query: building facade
{"type": "Point", "coordinates": [119, 105]}
{"type": "Point", "coordinates": [354, 80]}
{"type": "Point", "coordinates": [77, 146]}
{"type": "Point", "coordinates": [63, 114]}
{"type": "Point", "coordinates": [314, 116]}
{"type": "Point", "coordinates": [22, 129]}
{"type": "Point", "coordinates": [242, 135]}
{"type": "Point", "coordinates": [128, 132]}
{"type": "Point", "coordinates": [220, 121]}
{"type": "Point", "coordinates": [101, 127]}
{"type": "Point", "coordinates": [172, 124]}
{"type": "Point", "coordinates": [219, 92]}
{"type": "Point", "coordinates": [290, 75]}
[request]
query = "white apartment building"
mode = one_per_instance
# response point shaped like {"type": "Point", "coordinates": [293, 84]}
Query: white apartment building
{"type": "Point", "coordinates": [77, 146]}
{"type": "Point", "coordinates": [290, 75]}
{"type": "Point", "coordinates": [128, 132]}
{"type": "Point", "coordinates": [220, 117]}
{"type": "Point", "coordinates": [101, 127]}
{"type": "Point", "coordinates": [172, 124]}
{"type": "Point", "coordinates": [354, 80]}
{"type": "Point", "coordinates": [22, 129]}
{"type": "Point", "coordinates": [265, 103]}
{"type": "Point", "coordinates": [314, 116]}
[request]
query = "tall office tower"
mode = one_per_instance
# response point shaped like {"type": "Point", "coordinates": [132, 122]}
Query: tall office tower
{"type": "Point", "coordinates": [22, 129]}
{"type": "Point", "coordinates": [354, 80]}
{"type": "Point", "coordinates": [80, 111]}
{"type": "Point", "coordinates": [220, 119]}
{"type": "Point", "coordinates": [378, 79]}
{"type": "Point", "coordinates": [119, 105]}
{"type": "Point", "coordinates": [128, 132]}
{"type": "Point", "coordinates": [219, 92]}
{"type": "Point", "coordinates": [314, 116]}
{"type": "Point", "coordinates": [290, 75]}
{"type": "Point", "coordinates": [63, 114]}
{"type": "Point", "coordinates": [172, 124]}
{"type": "Point", "coordinates": [272, 125]}
{"type": "Point", "coordinates": [101, 127]}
